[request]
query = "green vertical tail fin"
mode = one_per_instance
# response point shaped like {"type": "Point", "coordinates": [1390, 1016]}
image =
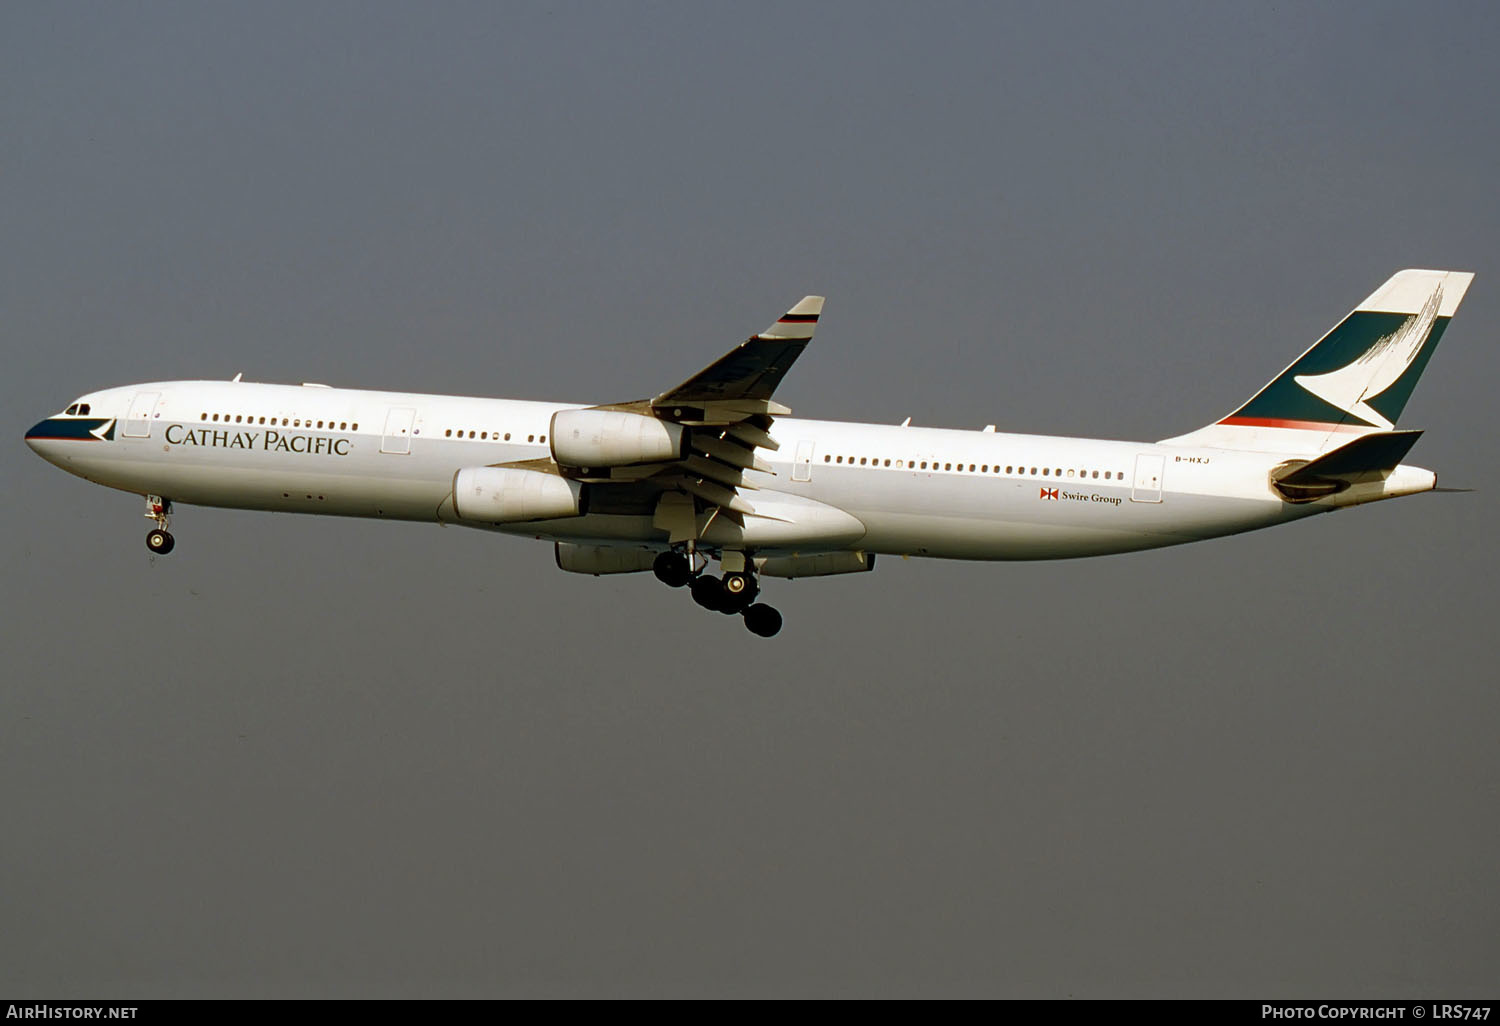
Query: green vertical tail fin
{"type": "Point", "coordinates": [1355, 379]}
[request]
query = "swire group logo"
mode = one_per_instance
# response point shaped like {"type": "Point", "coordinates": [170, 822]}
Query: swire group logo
{"type": "Point", "coordinates": [1048, 493]}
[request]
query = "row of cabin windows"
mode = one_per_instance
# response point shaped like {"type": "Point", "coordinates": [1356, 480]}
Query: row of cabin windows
{"type": "Point", "coordinates": [485, 436]}
{"type": "Point", "coordinates": [983, 468]}
{"type": "Point", "coordinates": [77, 410]}
{"type": "Point", "coordinates": [342, 425]}
{"type": "Point", "coordinates": [329, 425]}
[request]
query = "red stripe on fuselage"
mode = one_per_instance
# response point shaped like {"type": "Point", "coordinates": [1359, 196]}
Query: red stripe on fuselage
{"type": "Point", "coordinates": [1295, 425]}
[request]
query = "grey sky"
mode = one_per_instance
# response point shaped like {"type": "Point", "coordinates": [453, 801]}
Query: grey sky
{"type": "Point", "coordinates": [313, 757]}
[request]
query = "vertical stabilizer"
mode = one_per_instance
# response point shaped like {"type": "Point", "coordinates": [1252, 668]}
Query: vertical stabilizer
{"type": "Point", "coordinates": [1354, 380]}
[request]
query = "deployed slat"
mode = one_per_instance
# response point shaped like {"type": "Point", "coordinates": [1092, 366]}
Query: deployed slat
{"type": "Point", "coordinates": [729, 453]}
{"type": "Point", "coordinates": [752, 435]}
{"type": "Point", "coordinates": [718, 495]}
{"type": "Point", "coordinates": [731, 477]}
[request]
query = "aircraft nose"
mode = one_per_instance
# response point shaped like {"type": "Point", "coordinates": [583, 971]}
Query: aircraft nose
{"type": "Point", "coordinates": [35, 435]}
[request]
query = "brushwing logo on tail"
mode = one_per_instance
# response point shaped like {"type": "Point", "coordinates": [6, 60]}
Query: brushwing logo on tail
{"type": "Point", "coordinates": [1376, 369]}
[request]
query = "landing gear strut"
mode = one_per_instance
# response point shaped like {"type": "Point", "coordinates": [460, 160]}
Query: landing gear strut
{"type": "Point", "coordinates": [159, 540]}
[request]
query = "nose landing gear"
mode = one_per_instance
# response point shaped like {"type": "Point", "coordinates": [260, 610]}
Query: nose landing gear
{"type": "Point", "coordinates": [159, 540]}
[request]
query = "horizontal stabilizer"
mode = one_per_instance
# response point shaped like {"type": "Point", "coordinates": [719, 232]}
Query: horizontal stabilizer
{"type": "Point", "coordinates": [1367, 457]}
{"type": "Point", "coordinates": [1368, 454]}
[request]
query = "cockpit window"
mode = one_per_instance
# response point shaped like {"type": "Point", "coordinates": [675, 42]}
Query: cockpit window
{"type": "Point", "coordinates": [71, 410]}
{"type": "Point", "coordinates": [83, 409]}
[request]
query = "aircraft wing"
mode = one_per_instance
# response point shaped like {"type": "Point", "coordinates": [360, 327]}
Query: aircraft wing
{"type": "Point", "coordinates": [726, 411]}
{"type": "Point", "coordinates": [739, 384]}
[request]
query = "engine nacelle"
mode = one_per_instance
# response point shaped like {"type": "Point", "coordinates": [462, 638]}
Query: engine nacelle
{"type": "Point", "coordinates": [505, 495]}
{"type": "Point", "coordinates": [824, 565]}
{"type": "Point", "coordinates": [603, 559]}
{"type": "Point", "coordinates": [613, 438]}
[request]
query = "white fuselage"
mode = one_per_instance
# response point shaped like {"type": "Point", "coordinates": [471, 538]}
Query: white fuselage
{"type": "Point", "coordinates": [914, 491]}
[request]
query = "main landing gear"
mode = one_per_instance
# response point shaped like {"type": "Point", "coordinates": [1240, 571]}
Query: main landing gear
{"type": "Point", "coordinates": [158, 539]}
{"type": "Point", "coordinates": [733, 593]}
{"type": "Point", "coordinates": [672, 569]}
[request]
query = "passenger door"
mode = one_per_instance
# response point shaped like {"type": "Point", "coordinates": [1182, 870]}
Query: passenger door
{"type": "Point", "coordinates": [802, 468]}
{"type": "Point", "coordinates": [138, 420]}
{"type": "Point", "coordinates": [398, 424]}
{"type": "Point", "coordinates": [1147, 484]}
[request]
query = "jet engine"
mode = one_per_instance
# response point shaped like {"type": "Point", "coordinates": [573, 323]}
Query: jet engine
{"type": "Point", "coordinates": [505, 495]}
{"type": "Point", "coordinates": [824, 565]}
{"type": "Point", "coordinates": [613, 438]}
{"type": "Point", "coordinates": [603, 559]}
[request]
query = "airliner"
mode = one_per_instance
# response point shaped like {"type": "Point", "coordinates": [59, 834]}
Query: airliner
{"type": "Point", "coordinates": [715, 470]}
